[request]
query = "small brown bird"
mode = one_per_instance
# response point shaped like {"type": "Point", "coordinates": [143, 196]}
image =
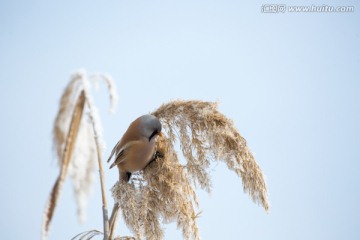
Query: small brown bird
{"type": "Point", "coordinates": [136, 149]}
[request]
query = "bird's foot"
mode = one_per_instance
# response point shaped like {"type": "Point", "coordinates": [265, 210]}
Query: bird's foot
{"type": "Point", "coordinates": [128, 176]}
{"type": "Point", "coordinates": [158, 155]}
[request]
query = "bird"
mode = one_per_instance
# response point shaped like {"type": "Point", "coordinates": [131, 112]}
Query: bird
{"type": "Point", "coordinates": [137, 147]}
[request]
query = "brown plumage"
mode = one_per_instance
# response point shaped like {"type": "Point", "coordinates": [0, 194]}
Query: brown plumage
{"type": "Point", "coordinates": [137, 147]}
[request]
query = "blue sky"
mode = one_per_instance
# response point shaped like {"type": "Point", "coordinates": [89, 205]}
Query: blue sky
{"type": "Point", "coordinates": [290, 82]}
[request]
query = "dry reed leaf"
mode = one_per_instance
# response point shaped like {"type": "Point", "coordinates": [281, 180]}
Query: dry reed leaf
{"type": "Point", "coordinates": [164, 190]}
{"type": "Point", "coordinates": [68, 150]}
{"type": "Point", "coordinates": [92, 233]}
{"type": "Point", "coordinates": [63, 118]}
{"type": "Point", "coordinates": [87, 235]}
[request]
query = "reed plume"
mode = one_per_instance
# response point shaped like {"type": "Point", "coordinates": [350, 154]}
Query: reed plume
{"type": "Point", "coordinates": [165, 189]}
{"type": "Point", "coordinates": [78, 141]}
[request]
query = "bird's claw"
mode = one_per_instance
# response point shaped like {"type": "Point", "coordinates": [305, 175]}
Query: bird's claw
{"type": "Point", "coordinates": [158, 155]}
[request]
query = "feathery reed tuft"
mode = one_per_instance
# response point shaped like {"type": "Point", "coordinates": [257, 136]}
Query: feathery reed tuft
{"type": "Point", "coordinates": [205, 134]}
{"type": "Point", "coordinates": [78, 143]}
{"type": "Point", "coordinates": [161, 191]}
{"type": "Point", "coordinates": [165, 189]}
{"type": "Point", "coordinates": [66, 156]}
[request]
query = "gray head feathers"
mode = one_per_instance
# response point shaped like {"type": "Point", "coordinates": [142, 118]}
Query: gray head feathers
{"type": "Point", "coordinates": [149, 126]}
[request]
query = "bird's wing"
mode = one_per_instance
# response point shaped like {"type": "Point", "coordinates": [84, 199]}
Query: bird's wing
{"type": "Point", "coordinates": [122, 153]}
{"type": "Point", "coordinates": [114, 150]}
{"type": "Point", "coordinates": [131, 134]}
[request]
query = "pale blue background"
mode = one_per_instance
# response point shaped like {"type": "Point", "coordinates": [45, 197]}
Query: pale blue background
{"type": "Point", "coordinates": [289, 81]}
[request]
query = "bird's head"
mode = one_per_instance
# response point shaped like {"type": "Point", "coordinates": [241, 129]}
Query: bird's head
{"type": "Point", "coordinates": [149, 126]}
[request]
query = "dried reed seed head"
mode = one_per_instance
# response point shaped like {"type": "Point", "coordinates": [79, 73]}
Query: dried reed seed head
{"type": "Point", "coordinates": [161, 191]}
{"type": "Point", "coordinates": [164, 189]}
{"type": "Point", "coordinates": [66, 156]}
{"type": "Point", "coordinates": [83, 161]}
{"type": "Point", "coordinates": [205, 134]}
